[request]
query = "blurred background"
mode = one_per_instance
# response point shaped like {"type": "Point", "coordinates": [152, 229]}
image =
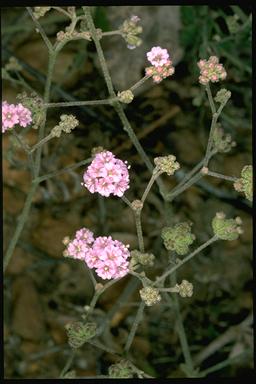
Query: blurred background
{"type": "Point", "coordinates": [42, 290]}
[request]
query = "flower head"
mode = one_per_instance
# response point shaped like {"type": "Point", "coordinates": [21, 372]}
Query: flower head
{"type": "Point", "coordinates": [109, 257]}
{"type": "Point", "coordinates": [80, 245]}
{"type": "Point", "coordinates": [107, 175]}
{"type": "Point", "coordinates": [158, 56]}
{"type": "Point", "coordinates": [25, 115]}
{"type": "Point", "coordinates": [10, 116]}
{"type": "Point", "coordinates": [211, 70]}
{"type": "Point", "coordinates": [161, 64]}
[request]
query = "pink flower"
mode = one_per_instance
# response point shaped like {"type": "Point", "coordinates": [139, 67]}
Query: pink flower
{"type": "Point", "coordinates": [107, 175]}
{"type": "Point", "coordinates": [158, 56]}
{"type": "Point", "coordinates": [10, 116]}
{"type": "Point", "coordinates": [24, 114]}
{"type": "Point", "coordinates": [86, 235]}
{"type": "Point", "coordinates": [77, 249]}
{"type": "Point", "coordinates": [211, 70]}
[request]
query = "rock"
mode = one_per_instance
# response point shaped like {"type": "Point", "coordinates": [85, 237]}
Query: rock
{"type": "Point", "coordinates": [28, 318]}
{"type": "Point", "coordinates": [160, 27]}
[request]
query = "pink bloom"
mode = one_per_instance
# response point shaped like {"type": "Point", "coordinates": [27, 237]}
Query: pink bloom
{"type": "Point", "coordinates": [107, 175]}
{"type": "Point", "coordinates": [158, 56]}
{"type": "Point", "coordinates": [109, 257]}
{"type": "Point", "coordinates": [77, 249]}
{"type": "Point", "coordinates": [25, 116]}
{"type": "Point", "coordinates": [86, 235]}
{"type": "Point", "coordinates": [211, 70]}
{"type": "Point", "coordinates": [10, 116]}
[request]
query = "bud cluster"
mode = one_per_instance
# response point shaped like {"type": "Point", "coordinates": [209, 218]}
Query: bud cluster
{"type": "Point", "coordinates": [244, 184]}
{"type": "Point", "coordinates": [185, 289]}
{"type": "Point", "coordinates": [66, 124]}
{"type": "Point", "coordinates": [150, 295]}
{"type": "Point", "coordinates": [145, 259]}
{"type": "Point", "coordinates": [35, 104]}
{"type": "Point", "coordinates": [222, 96]}
{"type": "Point", "coordinates": [211, 70]}
{"type": "Point", "coordinates": [226, 229]}
{"type": "Point", "coordinates": [129, 30]}
{"type": "Point", "coordinates": [121, 370]}
{"type": "Point", "coordinates": [178, 238]}
{"type": "Point", "coordinates": [222, 143]}
{"type": "Point", "coordinates": [72, 35]}
{"type": "Point", "coordinates": [125, 97]}
{"type": "Point", "coordinates": [13, 65]}
{"type": "Point", "coordinates": [79, 332]}
{"type": "Point", "coordinates": [166, 164]}
{"type": "Point", "coordinates": [40, 11]}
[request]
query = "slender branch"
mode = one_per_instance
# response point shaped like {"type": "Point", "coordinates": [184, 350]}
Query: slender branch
{"type": "Point", "coordinates": [186, 259]}
{"type": "Point", "coordinates": [135, 325]}
{"type": "Point", "coordinates": [63, 170]}
{"type": "Point", "coordinates": [111, 33]}
{"type": "Point", "coordinates": [61, 10]}
{"type": "Point", "coordinates": [139, 83]}
{"type": "Point", "coordinates": [40, 30]}
{"type": "Point", "coordinates": [150, 183]}
{"type": "Point", "coordinates": [171, 195]}
{"type": "Point", "coordinates": [220, 176]}
{"type": "Point", "coordinates": [137, 215]}
{"type": "Point", "coordinates": [42, 142]}
{"type": "Point", "coordinates": [126, 201]}
{"type": "Point", "coordinates": [68, 363]}
{"type": "Point", "coordinates": [80, 103]}
{"type": "Point", "coordinates": [101, 57]}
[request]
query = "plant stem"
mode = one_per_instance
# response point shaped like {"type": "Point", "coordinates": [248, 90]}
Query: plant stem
{"type": "Point", "coordinates": [68, 363]}
{"type": "Point", "coordinates": [63, 170]}
{"type": "Point", "coordinates": [139, 83]}
{"type": "Point", "coordinates": [111, 33]}
{"type": "Point", "coordinates": [220, 176]}
{"type": "Point", "coordinates": [171, 195]}
{"type": "Point", "coordinates": [150, 183]}
{"type": "Point", "coordinates": [25, 211]}
{"type": "Point", "coordinates": [186, 259]}
{"type": "Point", "coordinates": [137, 215]}
{"type": "Point", "coordinates": [136, 322]}
{"type": "Point", "coordinates": [181, 330]}
{"type": "Point", "coordinates": [42, 142]}
{"type": "Point", "coordinates": [80, 103]}
{"type": "Point", "coordinates": [40, 29]}
{"type": "Point", "coordinates": [126, 201]}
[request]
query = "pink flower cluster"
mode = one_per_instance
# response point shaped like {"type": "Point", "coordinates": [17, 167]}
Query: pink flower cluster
{"type": "Point", "coordinates": [14, 114]}
{"type": "Point", "coordinates": [211, 70]}
{"type": "Point", "coordinates": [161, 64]}
{"type": "Point", "coordinates": [107, 256]}
{"type": "Point", "coordinates": [107, 175]}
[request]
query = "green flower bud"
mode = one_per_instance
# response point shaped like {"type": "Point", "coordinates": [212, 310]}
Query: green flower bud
{"type": "Point", "coordinates": [133, 40]}
{"type": "Point", "coordinates": [226, 229]}
{"type": "Point", "coordinates": [40, 11]}
{"type": "Point", "coordinates": [79, 332]}
{"type": "Point", "coordinates": [244, 184]}
{"type": "Point", "coordinates": [185, 289]}
{"type": "Point", "coordinates": [146, 259]}
{"type": "Point", "coordinates": [166, 164]}
{"type": "Point", "coordinates": [35, 104]}
{"type": "Point", "coordinates": [121, 370]}
{"type": "Point", "coordinates": [223, 143]}
{"type": "Point", "coordinates": [13, 65]}
{"type": "Point", "coordinates": [66, 124]}
{"type": "Point", "coordinates": [222, 96]}
{"type": "Point", "coordinates": [150, 295]}
{"type": "Point", "coordinates": [125, 97]}
{"type": "Point", "coordinates": [178, 238]}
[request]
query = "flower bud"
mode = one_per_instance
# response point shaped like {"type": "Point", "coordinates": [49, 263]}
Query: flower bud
{"type": "Point", "coordinates": [166, 164]}
{"type": "Point", "coordinates": [121, 370]}
{"type": "Point", "coordinates": [185, 289]}
{"type": "Point", "coordinates": [40, 11]}
{"type": "Point", "coordinates": [150, 295]}
{"type": "Point", "coordinates": [66, 124]}
{"type": "Point", "coordinates": [178, 238]}
{"type": "Point", "coordinates": [244, 184]}
{"type": "Point", "coordinates": [79, 332]}
{"type": "Point", "coordinates": [222, 96]}
{"type": "Point", "coordinates": [146, 259]}
{"type": "Point", "coordinates": [226, 229]}
{"type": "Point", "coordinates": [221, 142]}
{"type": "Point", "coordinates": [125, 97]}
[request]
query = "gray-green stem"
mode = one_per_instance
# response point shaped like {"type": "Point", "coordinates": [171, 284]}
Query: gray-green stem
{"type": "Point", "coordinates": [186, 259]}
{"type": "Point", "coordinates": [135, 325]}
